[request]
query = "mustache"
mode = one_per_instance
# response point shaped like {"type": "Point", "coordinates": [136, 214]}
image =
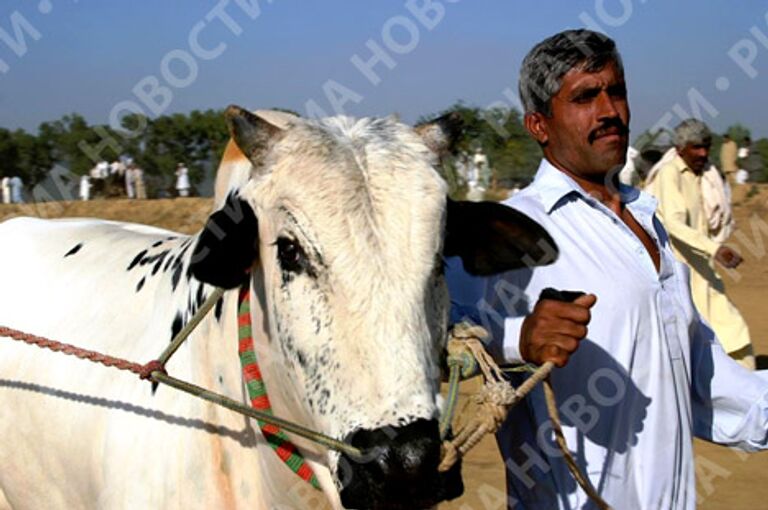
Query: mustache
{"type": "Point", "coordinates": [609, 126]}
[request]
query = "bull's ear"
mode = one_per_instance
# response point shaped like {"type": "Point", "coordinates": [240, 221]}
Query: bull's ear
{"type": "Point", "coordinates": [227, 247]}
{"type": "Point", "coordinates": [441, 134]}
{"type": "Point", "coordinates": [492, 238]}
{"type": "Point", "coordinates": [252, 134]}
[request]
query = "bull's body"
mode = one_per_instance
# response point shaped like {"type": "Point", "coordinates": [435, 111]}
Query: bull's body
{"type": "Point", "coordinates": [79, 435]}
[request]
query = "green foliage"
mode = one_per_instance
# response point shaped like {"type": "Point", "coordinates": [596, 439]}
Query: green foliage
{"type": "Point", "coordinates": [67, 138]}
{"type": "Point", "coordinates": [35, 157]}
{"type": "Point", "coordinates": [24, 155]}
{"type": "Point", "coordinates": [737, 132]}
{"type": "Point", "coordinates": [8, 154]}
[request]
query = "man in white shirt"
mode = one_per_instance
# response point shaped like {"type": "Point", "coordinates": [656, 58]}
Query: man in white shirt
{"type": "Point", "coordinates": [640, 373]}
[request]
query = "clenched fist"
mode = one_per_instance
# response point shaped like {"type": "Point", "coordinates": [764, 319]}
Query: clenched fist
{"type": "Point", "coordinates": [553, 330]}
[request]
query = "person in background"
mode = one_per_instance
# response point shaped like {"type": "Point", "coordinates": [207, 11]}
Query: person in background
{"type": "Point", "coordinates": [182, 180]}
{"type": "Point", "coordinates": [85, 188]}
{"type": "Point", "coordinates": [729, 158]}
{"type": "Point", "coordinates": [5, 189]}
{"type": "Point", "coordinates": [138, 182]}
{"type": "Point", "coordinates": [750, 161]}
{"type": "Point", "coordinates": [696, 213]}
{"type": "Point", "coordinates": [130, 181]}
{"type": "Point", "coordinates": [17, 190]}
{"type": "Point", "coordinates": [102, 168]}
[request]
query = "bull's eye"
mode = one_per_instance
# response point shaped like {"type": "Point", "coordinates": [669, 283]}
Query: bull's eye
{"type": "Point", "coordinates": [290, 255]}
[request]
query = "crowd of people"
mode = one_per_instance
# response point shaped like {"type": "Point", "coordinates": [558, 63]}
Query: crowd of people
{"type": "Point", "coordinates": [131, 178]}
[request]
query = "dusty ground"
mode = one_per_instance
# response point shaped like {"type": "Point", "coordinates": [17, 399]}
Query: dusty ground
{"type": "Point", "coordinates": [727, 479]}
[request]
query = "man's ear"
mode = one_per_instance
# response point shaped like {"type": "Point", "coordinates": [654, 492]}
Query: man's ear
{"type": "Point", "coordinates": [536, 125]}
{"type": "Point", "coordinates": [227, 247]}
{"type": "Point", "coordinates": [492, 238]}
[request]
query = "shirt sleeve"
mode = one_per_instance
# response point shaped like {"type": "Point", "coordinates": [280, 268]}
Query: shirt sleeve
{"type": "Point", "coordinates": [673, 212]}
{"type": "Point", "coordinates": [730, 403]}
{"type": "Point", "coordinates": [505, 307]}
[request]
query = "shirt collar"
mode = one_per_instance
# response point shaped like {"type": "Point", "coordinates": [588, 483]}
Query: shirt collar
{"type": "Point", "coordinates": [679, 163]}
{"type": "Point", "coordinates": [555, 186]}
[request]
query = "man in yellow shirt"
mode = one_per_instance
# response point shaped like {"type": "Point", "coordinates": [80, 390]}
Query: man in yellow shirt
{"type": "Point", "coordinates": [728, 158]}
{"type": "Point", "coordinates": [677, 184]}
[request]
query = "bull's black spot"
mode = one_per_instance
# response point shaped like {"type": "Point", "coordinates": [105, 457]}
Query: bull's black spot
{"type": "Point", "coordinates": [140, 284]}
{"type": "Point", "coordinates": [178, 323]}
{"type": "Point", "coordinates": [178, 268]}
{"type": "Point", "coordinates": [322, 404]}
{"type": "Point", "coordinates": [75, 249]}
{"type": "Point", "coordinates": [150, 259]}
{"type": "Point", "coordinates": [183, 251]}
{"type": "Point", "coordinates": [217, 311]}
{"type": "Point", "coordinates": [168, 264]}
{"type": "Point", "coordinates": [199, 297]}
{"type": "Point", "coordinates": [301, 359]}
{"type": "Point", "coordinates": [158, 243]}
{"type": "Point", "coordinates": [136, 259]}
{"type": "Point", "coordinates": [157, 266]}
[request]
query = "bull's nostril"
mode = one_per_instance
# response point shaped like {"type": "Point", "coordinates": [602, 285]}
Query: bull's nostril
{"type": "Point", "coordinates": [400, 452]}
{"type": "Point", "coordinates": [399, 468]}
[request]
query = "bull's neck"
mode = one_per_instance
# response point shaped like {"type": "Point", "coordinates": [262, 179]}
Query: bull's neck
{"type": "Point", "coordinates": [215, 365]}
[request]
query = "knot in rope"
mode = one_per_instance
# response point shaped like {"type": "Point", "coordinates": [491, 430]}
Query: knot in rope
{"type": "Point", "coordinates": [497, 394]}
{"type": "Point", "coordinates": [153, 366]}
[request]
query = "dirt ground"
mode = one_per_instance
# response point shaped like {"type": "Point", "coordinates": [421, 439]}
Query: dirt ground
{"type": "Point", "coordinates": [726, 479]}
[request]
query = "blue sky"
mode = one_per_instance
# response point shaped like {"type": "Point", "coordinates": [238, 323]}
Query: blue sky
{"type": "Point", "coordinates": [91, 54]}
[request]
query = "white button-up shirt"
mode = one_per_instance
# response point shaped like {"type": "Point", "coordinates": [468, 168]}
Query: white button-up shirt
{"type": "Point", "coordinates": [649, 375]}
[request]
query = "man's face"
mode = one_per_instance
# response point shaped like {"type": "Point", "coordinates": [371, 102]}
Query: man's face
{"type": "Point", "coordinates": [587, 133]}
{"type": "Point", "coordinates": [695, 155]}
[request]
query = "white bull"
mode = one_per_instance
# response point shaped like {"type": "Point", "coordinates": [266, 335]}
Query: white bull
{"type": "Point", "coordinates": [339, 226]}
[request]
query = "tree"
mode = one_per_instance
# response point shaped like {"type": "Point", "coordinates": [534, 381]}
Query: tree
{"type": "Point", "coordinates": [9, 155]}
{"type": "Point", "coordinates": [68, 137]}
{"type": "Point", "coordinates": [35, 157]}
{"type": "Point", "coordinates": [738, 133]}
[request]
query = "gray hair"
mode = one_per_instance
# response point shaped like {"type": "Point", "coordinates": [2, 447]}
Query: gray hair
{"type": "Point", "coordinates": [692, 131]}
{"type": "Point", "coordinates": [545, 65]}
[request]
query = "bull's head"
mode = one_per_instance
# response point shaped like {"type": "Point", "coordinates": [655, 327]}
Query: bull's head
{"type": "Point", "coordinates": [345, 224]}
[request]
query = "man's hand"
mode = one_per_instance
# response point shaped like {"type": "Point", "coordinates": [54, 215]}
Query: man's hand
{"type": "Point", "coordinates": [728, 257]}
{"type": "Point", "coordinates": [553, 330]}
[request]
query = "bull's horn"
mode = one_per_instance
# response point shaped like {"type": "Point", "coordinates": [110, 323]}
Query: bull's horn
{"type": "Point", "coordinates": [252, 134]}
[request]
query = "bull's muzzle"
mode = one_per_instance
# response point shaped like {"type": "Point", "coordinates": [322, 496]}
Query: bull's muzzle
{"type": "Point", "coordinates": [399, 470]}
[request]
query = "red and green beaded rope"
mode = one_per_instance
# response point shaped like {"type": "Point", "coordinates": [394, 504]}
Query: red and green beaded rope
{"type": "Point", "coordinates": [257, 392]}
